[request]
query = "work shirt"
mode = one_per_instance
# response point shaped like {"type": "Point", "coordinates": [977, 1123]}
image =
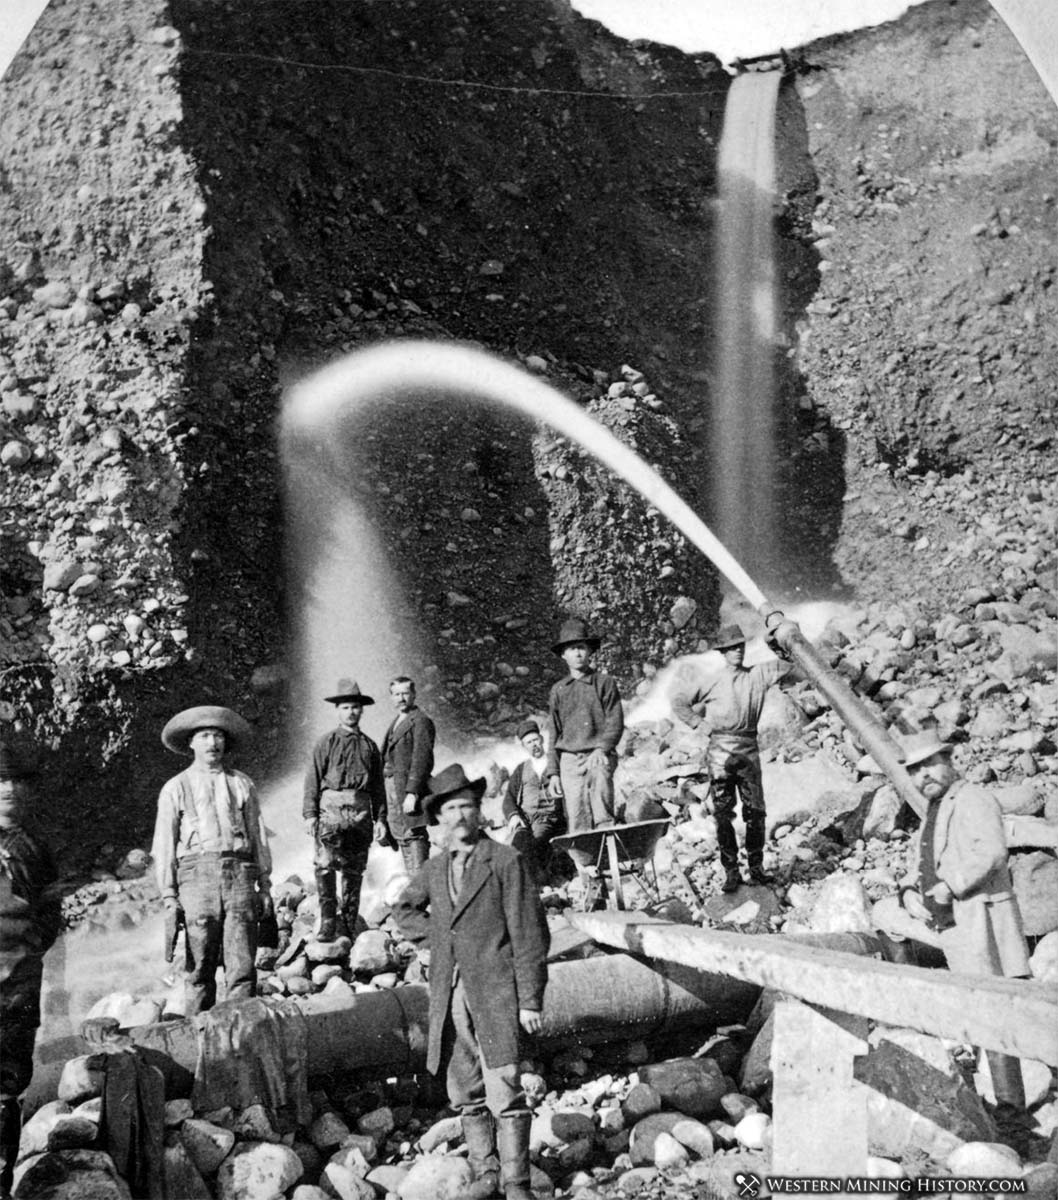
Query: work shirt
{"type": "Point", "coordinates": [208, 812]}
{"type": "Point", "coordinates": [732, 699]}
{"type": "Point", "coordinates": [526, 792]}
{"type": "Point", "coordinates": [585, 714]}
{"type": "Point", "coordinates": [344, 760]}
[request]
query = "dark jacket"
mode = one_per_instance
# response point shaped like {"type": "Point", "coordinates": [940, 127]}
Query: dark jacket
{"type": "Point", "coordinates": [497, 935]}
{"type": "Point", "coordinates": [407, 757]}
{"type": "Point", "coordinates": [516, 798]}
{"type": "Point", "coordinates": [30, 918]}
{"type": "Point", "coordinates": [583, 714]}
{"type": "Point", "coordinates": [344, 760]}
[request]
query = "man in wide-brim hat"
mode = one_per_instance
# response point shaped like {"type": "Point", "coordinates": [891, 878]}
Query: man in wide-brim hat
{"type": "Point", "coordinates": [586, 720]}
{"type": "Point", "coordinates": [30, 919]}
{"type": "Point", "coordinates": [959, 883]}
{"type": "Point", "coordinates": [477, 908]}
{"type": "Point", "coordinates": [343, 806]}
{"type": "Point", "coordinates": [211, 855]}
{"type": "Point", "coordinates": [727, 706]}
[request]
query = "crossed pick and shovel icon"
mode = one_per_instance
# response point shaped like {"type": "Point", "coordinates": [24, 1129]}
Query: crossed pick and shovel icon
{"type": "Point", "coordinates": [748, 1184]}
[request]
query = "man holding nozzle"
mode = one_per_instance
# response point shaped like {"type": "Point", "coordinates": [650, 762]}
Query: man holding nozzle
{"type": "Point", "coordinates": [727, 706]}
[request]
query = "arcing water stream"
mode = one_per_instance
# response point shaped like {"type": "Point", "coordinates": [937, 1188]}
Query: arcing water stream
{"type": "Point", "coordinates": [743, 439]}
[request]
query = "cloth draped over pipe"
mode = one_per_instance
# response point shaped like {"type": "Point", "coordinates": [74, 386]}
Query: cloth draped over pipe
{"type": "Point", "coordinates": [253, 1052]}
{"type": "Point", "coordinates": [133, 1121]}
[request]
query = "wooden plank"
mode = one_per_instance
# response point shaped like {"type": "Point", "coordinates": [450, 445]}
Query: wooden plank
{"type": "Point", "coordinates": [814, 1092]}
{"type": "Point", "coordinates": [1014, 1016]}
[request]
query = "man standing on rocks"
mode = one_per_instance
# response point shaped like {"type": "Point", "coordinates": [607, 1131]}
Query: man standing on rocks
{"type": "Point", "coordinates": [727, 706]}
{"type": "Point", "coordinates": [530, 810]}
{"type": "Point", "coordinates": [30, 918]}
{"type": "Point", "coordinates": [960, 884]}
{"type": "Point", "coordinates": [477, 909]}
{"type": "Point", "coordinates": [407, 760]}
{"type": "Point", "coordinates": [586, 723]}
{"type": "Point", "coordinates": [211, 854]}
{"type": "Point", "coordinates": [344, 805]}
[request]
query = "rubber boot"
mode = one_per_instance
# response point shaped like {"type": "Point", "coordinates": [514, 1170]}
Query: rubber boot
{"type": "Point", "coordinates": [351, 881]}
{"type": "Point", "coordinates": [755, 837]}
{"type": "Point", "coordinates": [415, 852]}
{"type": "Point", "coordinates": [326, 890]}
{"type": "Point", "coordinates": [732, 880]}
{"type": "Point", "coordinates": [479, 1133]}
{"type": "Point", "coordinates": [513, 1137]}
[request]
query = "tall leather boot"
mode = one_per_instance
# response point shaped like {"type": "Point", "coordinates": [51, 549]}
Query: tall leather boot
{"type": "Point", "coordinates": [328, 895]}
{"type": "Point", "coordinates": [513, 1137]}
{"type": "Point", "coordinates": [415, 852]}
{"type": "Point", "coordinates": [351, 881]}
{"type": "Point", "coordinates": [728, 846]}
{"type": "Point", "coordinates": [755, 837]}
{"type": "Point", "coordinates": [479, 1133]}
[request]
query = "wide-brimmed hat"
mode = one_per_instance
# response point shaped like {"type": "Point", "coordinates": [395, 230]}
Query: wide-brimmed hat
{"type": "Point", "coordinates": [527, 727]}
{"type": "Point", "coordinates": [914, 747]}
{"type": "Point", "coordinates": [348, 691]}
{"type": "Point", "coordinates": [917, 747]}
{"type": "Point", "coordinates": [729, 636]}
{"type": "Point", "coordinates": [179, 729]}
{"type": "Point", "coordinates": [19, 757]}
{"type": "Point", "coordinates": [575, 630]}
{"type": "Point", "coordinates": [446, 784]}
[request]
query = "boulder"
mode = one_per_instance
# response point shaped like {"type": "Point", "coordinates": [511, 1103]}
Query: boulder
{"type": "Point", "coordinates": [207, 1144]}
{"type": "Point", "coordinates": [346, 1183]}
{"type": "Point", "coordinates": [644, 1135]}
{"type": "Point", "coordinates": [82, 1078]}
{"type": "Point", "coordinates": [669, 1154]}
{"type": "Point", "coordinates": [70, 1175]}
{"type": "Point", "coordinates": [328, 1131]}
{"type": "Point", "coordinates": [255, 1170]}
{"type": "Point", "coordinates": [182, 1177]}
{"type": "Point", "coordinates": [755, 1076]}
{"type": "Point", "coordinates": [37, 1129]}
{"type": "Point", "coordinates": [1017, 799]}
{"type": "Point", "coordinates": [377, 1124]}
{"type": "Point", "coordinates": [256, 1123]}
{"type": "Point", "coordinates": [641, 1101]}
{"type": "Point", "coordinates": [437, 1177]}
{"type": "Point", "coordinates": [754, 1131]}
{"type": "Point", "coordinates": [841, 906]}
{"type": "Point", "coordinates": [692, 1086]}
{"type": "Point", "coordinates": [917, 1099]}
{"type": "Point", "coordinates": [984, 1160]}
{"type": "Point", "coordinates": [448, 1129]}
{"type": "Point", "coordinates": [1044, 960]}
{"type": "Point", "coordinates": [371, 953]}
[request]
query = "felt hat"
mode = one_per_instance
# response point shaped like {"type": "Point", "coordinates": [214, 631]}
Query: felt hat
{"type": "Point", "coordinates": [446, 784]}
{"type": "Point", "coordinates": [19, 757]}
{"type": "Point", "coordinates": [728, 637]}
{"type": "Point", "coordinates": [179, 729]}
{"type": "Point", "coordinates": [527, 727]}
{"type": "Point", "coordinates": [575, 630]}
{"type": "Point", "coordinates": [917, 747]}
{"type": "Point", "coordinates": [348, 691]}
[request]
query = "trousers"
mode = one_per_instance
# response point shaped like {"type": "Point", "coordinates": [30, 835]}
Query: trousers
{"type": "Point", "coordinates": [471, 1084]}
{"type": "Point", "coordinates": [734, 768]}
{"type": "Point", "coordinates": [218, 895]}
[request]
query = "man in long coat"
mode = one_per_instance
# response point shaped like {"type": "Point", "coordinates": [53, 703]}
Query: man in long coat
{"type": "Point", "coordinates": [407, 761]}
{"type": "Point", "coordinates": [30, 919]}
{"type": "Point", "coordinates": [477, 909]}
{"type": "Point", "coordinates": [211, 856]}
{"type": "Point", "coordinates": [964, 891]}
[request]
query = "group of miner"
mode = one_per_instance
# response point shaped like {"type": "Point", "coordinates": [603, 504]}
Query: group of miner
{"type": "Point", "coordinates": [473, 909]}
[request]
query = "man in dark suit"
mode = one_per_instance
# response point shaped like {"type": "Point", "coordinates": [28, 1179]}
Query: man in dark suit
{"type": "Point", "coordinates": [407, 760]}
{"type": "Point", "coordinates": [477, 909]}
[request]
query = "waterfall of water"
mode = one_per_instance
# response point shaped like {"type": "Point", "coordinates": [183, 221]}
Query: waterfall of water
{"type": "Point", "coordinates": [743, 424]}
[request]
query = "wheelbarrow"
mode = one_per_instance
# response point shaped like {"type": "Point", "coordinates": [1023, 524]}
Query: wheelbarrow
{"type": "Point", "coordinates": [618, 849]}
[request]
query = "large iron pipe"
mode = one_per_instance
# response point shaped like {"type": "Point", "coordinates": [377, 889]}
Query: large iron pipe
{"type": "Point", "coordinates": [863, 725]}
{"type": "Point", "coordinates": [592, 1000]}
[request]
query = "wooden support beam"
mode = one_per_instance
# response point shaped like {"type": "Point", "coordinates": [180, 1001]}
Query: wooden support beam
{"type": "Point", "coordinates": [1014, 1016]}
{"type": "Point", "coordinates": [814, 1093]}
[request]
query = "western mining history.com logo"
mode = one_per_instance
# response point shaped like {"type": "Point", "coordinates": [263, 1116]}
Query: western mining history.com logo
{"type": "Point", "coordinates": [751, 1186]}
